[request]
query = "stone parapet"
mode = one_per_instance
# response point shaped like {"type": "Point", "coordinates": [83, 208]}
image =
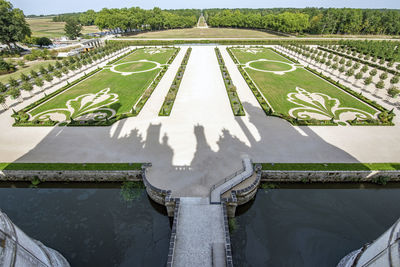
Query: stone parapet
{"type": "Point", "coordinates": [70, 176]}
{"type": "Point", "coordinates": [243, 195]}
{"type": "Point", "coordinates": [329, 176]}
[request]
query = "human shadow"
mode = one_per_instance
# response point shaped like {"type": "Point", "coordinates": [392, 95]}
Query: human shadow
{"type": "Point", "coordinates": [263, 138]}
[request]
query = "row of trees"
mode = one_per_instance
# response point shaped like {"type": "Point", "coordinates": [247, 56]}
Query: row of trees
{"type": "Point", "coordinates": [135, 18]}
{"type": "Point", "coordinates": [376, 49]}
{"type": "Point", "coordinates": [287, 22]}
{"type": "Point", "coordinates": [347, 67]}
{"type": "Point", "coordinates": [309, 20]}
{"type": "Point", "coordinates": [56, 70]}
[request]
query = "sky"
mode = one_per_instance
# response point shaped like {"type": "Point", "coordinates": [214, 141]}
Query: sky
{"type": "Point", "coordinates": [45, 7]}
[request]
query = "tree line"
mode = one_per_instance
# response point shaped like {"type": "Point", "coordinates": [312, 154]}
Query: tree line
{"type": "Point", "coordinates": [135, 18]}
{"type": "Point", "coordinates": [309, 20]}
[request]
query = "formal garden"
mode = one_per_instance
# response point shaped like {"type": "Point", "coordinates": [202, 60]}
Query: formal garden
{"type": "Point", "coordinates": [301, 95]}
{"type": "Point", "coordinates": [118, 90]}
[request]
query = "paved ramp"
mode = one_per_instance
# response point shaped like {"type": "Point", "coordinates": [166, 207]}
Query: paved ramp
{"type": "Point", "coordinates": [200, 228]}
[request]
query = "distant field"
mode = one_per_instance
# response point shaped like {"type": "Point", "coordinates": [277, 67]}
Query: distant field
{"type": "Point", "coordinates": [32, 66]}
{"type": "Point", "coordinates": [205, 33]}
{"type": "Point", "coordinates": [46, 27]}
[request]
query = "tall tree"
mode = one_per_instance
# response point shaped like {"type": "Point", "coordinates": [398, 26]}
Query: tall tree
{"type": "Point", "coordinates": [72, 28]}
{"type": "Point", "coordinates": [13, 27]}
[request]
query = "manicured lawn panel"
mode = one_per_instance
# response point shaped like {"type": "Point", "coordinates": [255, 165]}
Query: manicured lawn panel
{"type": "Point", "coordinates": [266, 53]}
{"type": "Point", "coordinates": [139, 54]}
{"type": "Point", "coordinates": [270, 66]}
{"type": "Point", "coordinates": [138, 66]}
{"type": "Point", "coordinates": [276, 87]}
{"type": "Point", "coordinates": [331, 166]}
{"type": "Point", "coordinates": [129, 87]}
{"type": "Point", "coordinates": [71, 166]}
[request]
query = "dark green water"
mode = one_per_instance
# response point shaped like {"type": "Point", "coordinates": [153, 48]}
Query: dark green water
{"type": "Point", "coordinates": [91, 227]}
{"type": "Point", "coordinates": [311, 227]}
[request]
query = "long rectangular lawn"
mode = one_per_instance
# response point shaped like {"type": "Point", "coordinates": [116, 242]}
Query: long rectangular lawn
{"type": "Point", "coordinates": [276, 87]}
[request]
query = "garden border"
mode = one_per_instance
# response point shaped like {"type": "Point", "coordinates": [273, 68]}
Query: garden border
{"type": "Point", "coordinates": [233, 93]}
{"type": "Point", "coordinates": [167, 105]}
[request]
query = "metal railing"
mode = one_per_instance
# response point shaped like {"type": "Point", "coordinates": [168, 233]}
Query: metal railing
{"type": "Point", "coordinates": [229, 177]}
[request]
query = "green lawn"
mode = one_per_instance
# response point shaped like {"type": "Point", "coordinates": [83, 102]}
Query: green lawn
{"type": "Point", "coordinates": [250, 54]}
{"type": "Point", "coordinates": [34, 65]}
{"type": "Point", "coordinates": [270, 66]}
{"type": "Point", "coordinates": [137, 66]}
{"type": "Point", "coordinates": [331, 166]}
{"type": "Point", "coordinates": [276, 89]}
{"type": "Point", "coordinates": [70, 166]}
{"type": "Point", "coordinates": [128, 89]}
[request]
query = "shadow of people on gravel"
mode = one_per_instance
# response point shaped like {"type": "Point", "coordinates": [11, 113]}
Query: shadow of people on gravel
{"type": "Point", "coordinates": [264, 139]}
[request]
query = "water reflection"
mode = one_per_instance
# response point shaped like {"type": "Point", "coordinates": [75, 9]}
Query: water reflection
{"type": "Point", "coordinates": [311, 227]}
{"type": "Point", "coordinates": [92, 227]}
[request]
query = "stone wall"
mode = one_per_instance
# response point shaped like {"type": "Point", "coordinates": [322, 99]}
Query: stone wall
{"type": "Point", "coordinates": [329, 176]}
{"type": "Point", "coordinates": [242, 196]}
{"type": "Point", "coordinates": [160, 196]}
{"type": "Point", "coordinates": [172, 240]}
{"type": "Point", "coordinates": [70, 176]}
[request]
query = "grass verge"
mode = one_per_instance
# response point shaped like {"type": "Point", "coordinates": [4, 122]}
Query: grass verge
{"type": "Point", "coordinates": [331, 166]}
{"type": "Point", "coordinates": [70, 166]}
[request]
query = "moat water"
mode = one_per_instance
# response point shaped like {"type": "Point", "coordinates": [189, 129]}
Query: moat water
{"type": "Point", "coordinates": [281, 227]}
{"type": "Point", "coordinates": [92, 226]}
{"type": "Point", "coordinates": [310, 227]}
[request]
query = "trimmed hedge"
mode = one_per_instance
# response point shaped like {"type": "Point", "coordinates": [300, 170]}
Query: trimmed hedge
{"type": "Point", "coordinates": [232, 56]}
{"type": "Point", "coordinates": [230, 87]}
{"type": "Point", "coordinates": [169, 100]}
{"type": "Point", "coordinates": [172, 58]}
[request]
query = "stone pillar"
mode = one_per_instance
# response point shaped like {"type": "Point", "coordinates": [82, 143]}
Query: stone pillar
{"type": "Point", "coordinates": [231, 209]}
